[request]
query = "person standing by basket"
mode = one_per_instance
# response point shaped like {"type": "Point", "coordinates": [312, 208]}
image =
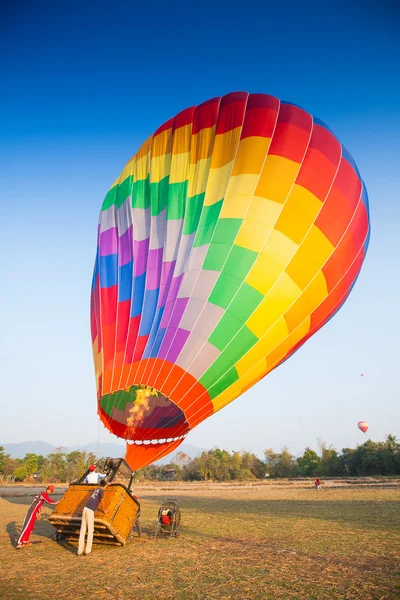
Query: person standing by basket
{"type": "Point", "coordinates": [32, 514]}
{"type": "Point", "coordinates": [93, 476]}
{"type": "Point", "coordinates": [88, 519]}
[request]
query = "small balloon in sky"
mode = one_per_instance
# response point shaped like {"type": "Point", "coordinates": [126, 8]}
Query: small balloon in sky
{"type": "Point", "coordinates": [363, 426]}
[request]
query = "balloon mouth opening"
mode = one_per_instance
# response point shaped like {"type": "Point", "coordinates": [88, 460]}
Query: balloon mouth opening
{"type": "Point", "coordinates": [143, 415]}
{"type": "Point", "coordinates": [155, 441]}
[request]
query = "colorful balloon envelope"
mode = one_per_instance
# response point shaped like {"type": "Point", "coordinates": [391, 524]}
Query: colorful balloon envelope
{"type": "Point", "coordinates": [363, 426]}
{"type": "Point", "coordinates": [235, 232]}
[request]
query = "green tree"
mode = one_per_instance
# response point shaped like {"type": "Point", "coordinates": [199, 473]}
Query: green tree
{"type": "Point", "coordinates": [20, 473]}
{"type": "Point", "coordinates": [390, 455]}
{"type": "Point", "coordinates": [309, 463]}
{"type": "Point", "coordinates": [30, 463]}
{"type": "Point", "coordinates": [280, 464]}
{"type": "Point", "coordinates": [370, 459]}
{"type": "Point", "coordinates": [165, 471]}
{"type": "Point", "coordinates": [236, 468]}
{"type": "Point", "coordinates": [220, 465]}
{"type": "Point", "coordinates": [254, 464]}
{"type": "Point", "coordinates": [331, 464]}
{"type": "Point", "coordinates": [208, 465]}
{"type": "Point", "coordinates": [191, 471]}
{"type": "Point", "coordinates": [55, 467]}
{"type": "Point", "coordinates": [349, 461]}
{"type": "Point", "coordinates": [245, 475]}
{"type": "Point", "coordinates": [11, 465]}
{"type": "Point", "coordinates": [40, 461]}
{"type": "Point", "coordinates": [362, 460]}
{"type": "Point", "coordinates": [76, 464]}
{"type": "Point", "coordinates": [4, 458]}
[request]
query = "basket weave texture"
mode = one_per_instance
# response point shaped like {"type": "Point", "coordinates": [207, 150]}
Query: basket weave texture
{"type": "Point", "coordinates": [113, 527]}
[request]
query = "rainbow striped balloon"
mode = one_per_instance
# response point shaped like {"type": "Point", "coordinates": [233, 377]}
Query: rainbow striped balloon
{"type": "Point", "coordinates": [235, 232]}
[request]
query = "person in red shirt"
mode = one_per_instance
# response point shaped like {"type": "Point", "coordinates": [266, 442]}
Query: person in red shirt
{"type": "Point", "coordinates": [317, 483]}
{"type": "Point", "coordinates": [32, 514]}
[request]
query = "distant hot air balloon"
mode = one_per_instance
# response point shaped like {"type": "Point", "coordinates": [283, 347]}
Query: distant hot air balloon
{"type": "Point", "coordinates": [235, 232]}
{"type": "Point", "coordinates": [363, 426]}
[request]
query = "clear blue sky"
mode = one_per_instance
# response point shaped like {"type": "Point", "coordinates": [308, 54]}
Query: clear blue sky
{"type": "Point", "coordinates": [83, 85]}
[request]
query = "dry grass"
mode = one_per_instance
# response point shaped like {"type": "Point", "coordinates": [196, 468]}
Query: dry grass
{"type": "Point", "coordinates": [254, 543]}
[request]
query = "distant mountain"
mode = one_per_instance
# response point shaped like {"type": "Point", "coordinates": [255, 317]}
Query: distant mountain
{"type": "Point", "coordinates": [109, 449]}
{"type": "Point", "coordinates": [19, 450]}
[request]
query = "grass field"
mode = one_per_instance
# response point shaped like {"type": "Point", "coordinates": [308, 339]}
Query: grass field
{"type": "Point", "coordinates": [255, 543]}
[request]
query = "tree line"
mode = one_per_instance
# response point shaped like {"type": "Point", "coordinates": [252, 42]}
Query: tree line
{"type": "Point", "coordinates": [58, 466]}
{"type": "Point", "coordinates": [367, 459]}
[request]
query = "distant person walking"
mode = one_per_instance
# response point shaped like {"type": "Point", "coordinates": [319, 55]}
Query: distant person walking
{"type": "Point", "coordinates": [317, 483]}
{"type": "Point", "coordinates": [32, 514]}
{"type": "Point", "coordinates": [93, 476]}
{"type": "Point", "coordinates": [88, 519]}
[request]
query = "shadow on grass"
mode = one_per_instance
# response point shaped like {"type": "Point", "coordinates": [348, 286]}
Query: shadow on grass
{"type": "Point", "coordinates": [42, 527]}
{"type": "Point", "coordinates": [45, 530]}
{"type": "Point", "coordinates": [11, 529]}
{"type": "Point", "coordinates": [27, 500]}
{"type": "Point", "coordinates": [24, 500]}
{"type": "Point", "coordinates": [365, 514]}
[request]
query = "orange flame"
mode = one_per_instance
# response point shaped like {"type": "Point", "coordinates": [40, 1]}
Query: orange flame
{"type": "Point", "coordinates": [141, 406]}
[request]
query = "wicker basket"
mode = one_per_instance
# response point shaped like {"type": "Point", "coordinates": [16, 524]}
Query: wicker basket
{"type": "Point", "coordinates": [111, 528]}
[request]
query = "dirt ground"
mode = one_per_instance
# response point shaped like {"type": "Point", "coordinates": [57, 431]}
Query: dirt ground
{"type": "Point", "coordinates": [236, 542]}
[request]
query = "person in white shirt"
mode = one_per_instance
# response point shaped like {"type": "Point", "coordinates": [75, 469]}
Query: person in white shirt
{"type": "Point", "coordinates": [93, 476]}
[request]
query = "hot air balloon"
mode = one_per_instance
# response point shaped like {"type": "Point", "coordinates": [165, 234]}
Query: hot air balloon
{"type": "Point", "coordinates": [363, 426]}
{"type": "Point", "coordinates": [235, 232]}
